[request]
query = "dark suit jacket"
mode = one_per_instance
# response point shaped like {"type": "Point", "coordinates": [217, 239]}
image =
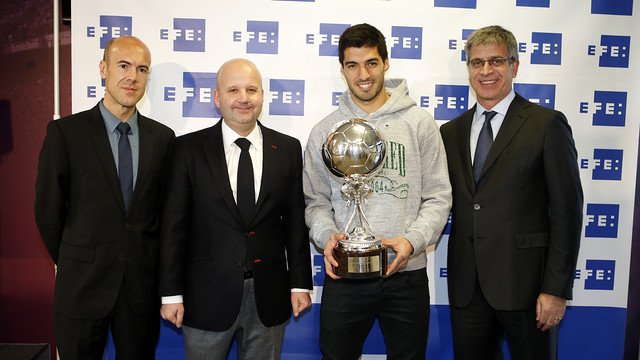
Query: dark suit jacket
{"type": "Point", "coordinates": [204, 239]}
{"type": "Point", "coordinates": [79, 212]}
{"type": "Point", "coordinates": [519, 228]}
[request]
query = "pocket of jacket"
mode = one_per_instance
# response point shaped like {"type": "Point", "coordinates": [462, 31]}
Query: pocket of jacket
{"type": "Point", "coordinates": [531, 240]}
{"type": "Point", "coordinates": [77, 253]}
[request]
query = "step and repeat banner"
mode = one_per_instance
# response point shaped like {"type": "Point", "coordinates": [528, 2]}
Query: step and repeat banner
{"type": "Point", "coordinates": [576, 56]}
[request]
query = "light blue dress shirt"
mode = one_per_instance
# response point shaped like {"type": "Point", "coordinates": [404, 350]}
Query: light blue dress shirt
{"type": "Point", "coordinates": [111, 122]}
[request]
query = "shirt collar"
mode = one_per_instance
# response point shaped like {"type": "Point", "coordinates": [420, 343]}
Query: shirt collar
{"type": "Point", "coordinates": [111, 121]}
{"type": "Point", "coordinates": [229, 136]}
{"type": "Point", "coordinates": [501, 108]}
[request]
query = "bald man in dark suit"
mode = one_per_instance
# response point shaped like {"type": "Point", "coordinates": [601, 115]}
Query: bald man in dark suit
{"type": "Point", "coordinates": [97, 208]}
{"type": "Point", "coordinates": [227, 271]}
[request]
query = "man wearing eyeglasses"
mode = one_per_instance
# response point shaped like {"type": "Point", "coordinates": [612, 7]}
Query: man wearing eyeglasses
{"type": "Point", "coordinates": [517, 211]}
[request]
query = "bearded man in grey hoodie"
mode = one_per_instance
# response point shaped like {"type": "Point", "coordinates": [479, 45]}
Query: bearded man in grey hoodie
{"type": "Point", "coordinates": [408, 210]}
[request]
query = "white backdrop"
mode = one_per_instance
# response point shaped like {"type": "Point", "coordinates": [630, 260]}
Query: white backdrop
{"type": "Point", "coordinates": [575, 57]}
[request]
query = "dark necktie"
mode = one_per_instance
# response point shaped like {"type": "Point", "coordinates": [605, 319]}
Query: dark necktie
{"type": "Point", "coordinates": [125, 164]}
{"type": "Point", "coordinates": [485, 140]}
{"type": "Point", "coordinates": [246, 198]}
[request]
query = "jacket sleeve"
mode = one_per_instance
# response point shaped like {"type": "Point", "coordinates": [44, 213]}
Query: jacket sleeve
{"type": "Point", "coordinates": [298, 252]}
{"type": "Point", "coordinates": [565, 207]}
{"type": "Point", "coordinates": [52, 189]}
{"type": "Point", "coordinates": [175, 223]}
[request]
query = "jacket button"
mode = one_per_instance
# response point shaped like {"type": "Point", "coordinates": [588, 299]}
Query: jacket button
{"type": "Point", "coordinates": [476, 207]}
{"type": "Point", "coordinates": [120, 257]}
{"type": "Point", "coordinates": [126, 225]}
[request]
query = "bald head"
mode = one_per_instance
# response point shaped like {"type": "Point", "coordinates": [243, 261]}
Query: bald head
{"type": "Point", "coordinates": [125, 70]}
{"type": "Point", "coordinates": [127, 41]}
{"type": "Point", "coordinates": [239, 94]}
{"type": "Point", "coordinates": [235, 65]}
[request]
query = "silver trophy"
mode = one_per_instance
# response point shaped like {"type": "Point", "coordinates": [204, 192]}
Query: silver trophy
{"type": "Point", "coordinates": [354, 151]}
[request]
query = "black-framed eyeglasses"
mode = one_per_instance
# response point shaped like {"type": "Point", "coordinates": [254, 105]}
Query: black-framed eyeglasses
{"type": "Point", "coordinates": [495, 62]}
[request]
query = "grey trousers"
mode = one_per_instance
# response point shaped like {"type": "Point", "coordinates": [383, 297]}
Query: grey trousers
{"type": "Point", "coordinates": [255, 341]}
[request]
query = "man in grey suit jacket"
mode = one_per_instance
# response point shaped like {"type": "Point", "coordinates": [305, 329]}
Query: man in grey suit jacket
{"type": "Point", "coordinates": [517, 211]}
{"type": "Point", "coordinates": [100, 221]}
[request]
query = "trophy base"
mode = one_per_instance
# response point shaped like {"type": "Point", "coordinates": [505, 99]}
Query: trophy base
{"type": "Point", "coordinates": [367, 264]}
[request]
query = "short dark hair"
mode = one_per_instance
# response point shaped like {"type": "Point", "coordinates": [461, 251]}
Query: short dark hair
{"type": "Point", "coordinates": [362, 35]}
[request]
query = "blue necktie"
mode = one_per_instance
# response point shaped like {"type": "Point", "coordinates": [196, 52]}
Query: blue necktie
{"type": "Point", "coordinates": [246, 198]}
{"type": "Point", "coordinates": [125, 164]}
{"type": "Point", "coordinates": [485, 140]}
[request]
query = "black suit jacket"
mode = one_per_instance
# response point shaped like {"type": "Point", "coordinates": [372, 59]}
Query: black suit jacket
{"type": "Point", "coordinates": [79, 212]}
{"type": "Point", "coordinates": [519, 228]}
{"type": "Point", "coordinates": [204, 239]}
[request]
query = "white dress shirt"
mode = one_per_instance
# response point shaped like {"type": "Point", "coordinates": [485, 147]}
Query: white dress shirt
{"type": "Point", "coordinates": [478, 119]}
{"type": "Point", "coordinates": [232, 155]}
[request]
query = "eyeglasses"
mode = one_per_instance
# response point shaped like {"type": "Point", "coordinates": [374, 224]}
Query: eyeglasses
{"type": "Point", "coordinates": [495, 62]}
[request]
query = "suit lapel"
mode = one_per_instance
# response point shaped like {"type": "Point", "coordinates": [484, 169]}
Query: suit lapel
{"type": "Point", "coordinates": [512, 123]}
{"type": "Point", "coordinates": [98, 136]}
{"type": "Point", "coordinates": [464, 133]}
{"type": "Point", "coordinates": [213, 148]}
{"type": "Point", "coordinates": [270, 151]}
{"type": "Point", "coordinates": [147, 143]}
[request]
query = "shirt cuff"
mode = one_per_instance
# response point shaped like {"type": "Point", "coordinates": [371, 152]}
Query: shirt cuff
{"type": "Point", "coordinates": [175, 299]}
{"type": "Point", "coordinates": [300, 290]}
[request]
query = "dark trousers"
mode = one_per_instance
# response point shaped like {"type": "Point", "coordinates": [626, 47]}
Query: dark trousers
{"type": "Point", "coordinates": [349, 308]}
{"type": "Point", "coordinates": [134, 335]}
{"type": "Point", "coordinates": [479, 328]}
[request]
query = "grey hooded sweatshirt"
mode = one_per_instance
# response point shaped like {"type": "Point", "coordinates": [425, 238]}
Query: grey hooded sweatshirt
{"type": "Point", "coordinates": [412, 193]}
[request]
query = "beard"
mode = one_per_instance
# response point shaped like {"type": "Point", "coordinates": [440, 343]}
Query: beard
{"type": "Point", "coordinates": [367, 96]}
